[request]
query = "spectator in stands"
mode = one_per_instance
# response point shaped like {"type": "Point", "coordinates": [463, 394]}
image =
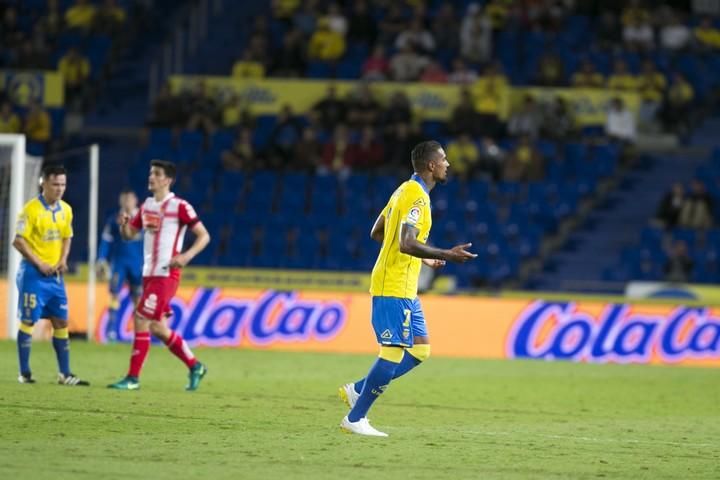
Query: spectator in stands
{"type": "Point", "coordinates": [677, 107]}
{"type": "Point", "coordinates": [526, 120]}
{"type": "Point", "coordinates": [492, 159]}
{"type": "Point", "coordinates": [392, 23]}
{"type": "Point", "coordinates": [707, 37]}
{"type": "Point", "coordinates": [202, 110]}
{"type": "Point", "coordinates": [331, 110]}
{"type": "Point", "coordinates": [446, 39]}
{"type": "Point", "coordinates": [10, 32]}
{"type": "Point", "coordinates": [488, 94]}
{"type": "Point", "coordinates": [476, 35]}
{"type": "Point", "coordinates": [679, 265]}
{"type": "Point", "coordinates": [620, 123]}
{"type": "Point", "coordinates": [465, 118]}
{"type": "Point", "coordinates": [308, 151]}
{"type": "Point", "coordinates": [30, 58]}
{"type": "Point", "coordinates": [398, 110]}
{"type": "Point", "coordinates": [368, 152]}
{"type": "Point", "coordinates": [524, 164]}
{"type": "Point", "coordinates": [499, 13]}
{"type": "Point", "coordinates": [363, 27]}
{"type": "Point", "coordinates": [434, 73]}
{"type": "Point", "coordinates": [407, 65]}
{"type": "Point", "coordinates": [587, 76]}
{"type": "Point", "coordinates": [635, 12]}
{"type": "Point", "coordinates": [109, 17]}
{"type": "Point", "coordinates": [462, 74]}
{"type": "Point", "coordinates": [284, 137]}
{"type": "Point", "coordinates": [38, 126]}
{"type": "Point", "coordinates": [81, 15]}
{"type": "Point", "coordinates": [675, 35]}
{"type": "Point", "coordinates": [241, 157]}
{"type": "Point", "coordinates": [290, 60]}
{"type": "Point", "coordinates": [9, 120]}
{"type": "Point", "coordinates": [697, 209]}
{"type": "Point", "coordinates": [326, 45]}
{"type": "Point", "coordinates": [622, 79]}
{"type": "Point", "coordinates": [52, 21]}
{"type": "Point", "coordinates": [463, 155]}
{"type": "Point", "coordinates": [668, 212]}
{"type": "Point", "coordinates": [416, 37]}
{"type": "Point", "coordinates": [638, 35]}
{"type": "Point", "coordinates": [558, 120]}
{"type": "Point", "coordinates": [398, 142]}
{"type": "Point", "coordinates": [551, 72]}
{"type": "Point", "coordinates": [236, 113]}
{"type": "Point", "coordinates": [247, 67]}
{"type": "Point", "coordinates": [608, 30]}
{"type": "Point", "coordinates": [75, 69]}
{"type": "Point", "coordinates": [651, 86]}
{"type": "Point", "coordinates": [284, 10]}
{"type": "Point", "coordinates": [336, 154]}
{"type": "Point", "coordinates": [336, 19]}
{"type": "Point", "coordinates": [305, 18]}
{"type": "Point", "coordinates": [363, 107]}
{"type": "Point", "coordinates": [166, 109]}
{"type": "Point", "coordinates": [376, 67]}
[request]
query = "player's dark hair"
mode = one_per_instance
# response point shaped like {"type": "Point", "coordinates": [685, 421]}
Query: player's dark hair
{"type": "Point", "coordinates": [53, 170]}
{"type": "Point", "coordinates": [126, 190]}
{"type": "Point", "coordinates": [168, 168]}
{"type": "Point", "coordinates": [422, 154]}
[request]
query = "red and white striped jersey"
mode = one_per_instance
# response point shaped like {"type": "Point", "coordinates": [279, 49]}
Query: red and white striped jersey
{"type": "Point", "coordinates": [164, 223]}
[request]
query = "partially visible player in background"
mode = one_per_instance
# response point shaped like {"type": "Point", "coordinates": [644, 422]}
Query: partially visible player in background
{"type": "Point", "coordinates": [403, 228]}
{"type": "Point", "coordinates": [120, 260]}
{"type": "Point", "coordinates": [164, 218]}
{"type": "Point", "coordinates": [43, 236]}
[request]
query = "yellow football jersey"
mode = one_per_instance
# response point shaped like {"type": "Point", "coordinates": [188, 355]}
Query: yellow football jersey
{"type": "Point", "coordinates": [44, 228]}
{"type": "Point", "coordinates": [396, 274]}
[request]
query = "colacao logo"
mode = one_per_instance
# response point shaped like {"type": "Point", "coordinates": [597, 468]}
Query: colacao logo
{"type": "Point", "coordinates": [556, 330]}
{"type": "Point", "coordinates": [209, 318]}
{"type": "Point", "coordinates": [257, 94]}
{"type": "Point", "coordinates": [429, 101]}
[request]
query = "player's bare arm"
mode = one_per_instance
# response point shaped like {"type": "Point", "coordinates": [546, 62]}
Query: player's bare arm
{"type": "Point", "coordinates": [62, 266]}
{"type": "Point", "coordinates": [22, 246]}
{"type": "Point", "coordinates": [127, 231]}
{"type": "Point", "coordinates": [410, 245]}
{"type": "Point", "coordinates": [202, 238]}
{"type": "Point", "coordinates": [377, 232]}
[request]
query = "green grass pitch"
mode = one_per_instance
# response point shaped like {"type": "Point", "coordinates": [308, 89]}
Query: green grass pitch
{"type": "Point", "coordinates": [271, 415]}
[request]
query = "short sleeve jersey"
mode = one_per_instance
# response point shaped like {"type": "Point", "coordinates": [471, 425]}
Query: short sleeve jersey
{"type": "Point", "coordinates": [44, 228]}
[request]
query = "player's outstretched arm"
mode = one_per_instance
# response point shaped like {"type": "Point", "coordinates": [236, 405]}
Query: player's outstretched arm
{"type": "Point", "coordinates": [410, 245]}
{"type": "Point", "coordinates": [202, 238]}
{"type": "Point", "coordinates": [22, 246]}
{"type": "Point", "coordinates": [378, 229]}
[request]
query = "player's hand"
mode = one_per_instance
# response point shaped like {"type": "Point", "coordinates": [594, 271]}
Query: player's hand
{"type": "Point", "coordinates": [434, 263]}
{"type": "Point", "coordinates": [179, 261]}
{"type": "Point", "coordinates": [61, 267]}
{"type": "Point", "coordinates": [102, 269]}
{"type": "Point", "coordinates": [123, 218]}
{"type": "Point", "coordinates": [459, 253]}
{"type": "Point", "coordinates": [46, 269]}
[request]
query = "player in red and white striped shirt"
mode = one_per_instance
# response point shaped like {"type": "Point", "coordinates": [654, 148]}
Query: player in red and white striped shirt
{"type": "Point", "coordinates": [164, 218]}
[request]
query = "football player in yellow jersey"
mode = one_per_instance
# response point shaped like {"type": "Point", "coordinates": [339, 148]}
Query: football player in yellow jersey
{"type": "Point", "coordinates": [403, 228]}
{"type": "Point", "coordinates": [43, 236]}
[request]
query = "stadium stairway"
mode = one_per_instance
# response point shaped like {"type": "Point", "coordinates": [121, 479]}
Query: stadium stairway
{"type": "Point", "coordinates": [614, 224]}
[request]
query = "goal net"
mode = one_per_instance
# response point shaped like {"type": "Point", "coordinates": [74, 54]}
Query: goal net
{"type": "Point", "coordinates": [19, 182]}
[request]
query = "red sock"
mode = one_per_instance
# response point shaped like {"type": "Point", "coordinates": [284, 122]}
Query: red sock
{"type": "Point", "coordinates": [141, 347]}
{"type": "Point", "coordinates": [180, 349]}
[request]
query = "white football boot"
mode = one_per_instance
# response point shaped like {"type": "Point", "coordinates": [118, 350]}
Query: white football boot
{"type": "Point", "coordinates": [361, 427]}
{"type": "Point", "coordinates": [348, 394]}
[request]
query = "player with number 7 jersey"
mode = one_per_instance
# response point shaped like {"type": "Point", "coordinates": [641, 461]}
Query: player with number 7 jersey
{"type": "Point", "coordinates": [164, 218]}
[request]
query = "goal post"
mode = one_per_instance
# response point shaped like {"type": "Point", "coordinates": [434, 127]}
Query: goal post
{"type": "Point", "coordinates": [17, 195]}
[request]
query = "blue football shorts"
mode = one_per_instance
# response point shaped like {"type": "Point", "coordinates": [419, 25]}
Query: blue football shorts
{"type": "Point", "coordinates": [40, 296]}
{"type": "Point", "coordinates": [397, 321]}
